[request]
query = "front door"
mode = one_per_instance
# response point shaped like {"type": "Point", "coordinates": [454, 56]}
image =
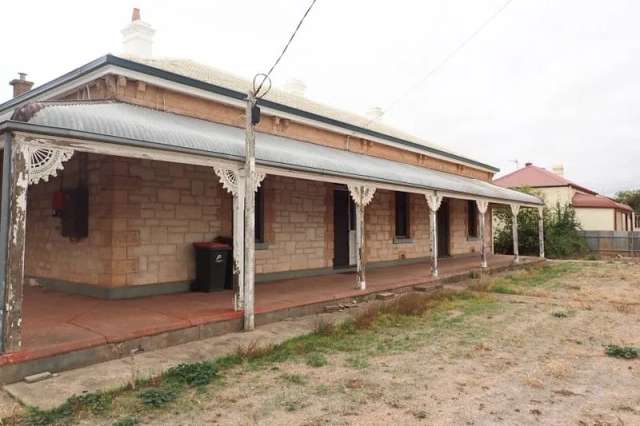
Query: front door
{"type": "Point", "coordinates": [443, 229]}
{"type": "Point", "coordinates": [343, 229]}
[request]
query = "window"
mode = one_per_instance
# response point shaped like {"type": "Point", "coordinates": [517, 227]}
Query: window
{"type": "Point", "coordinates": [402, 215]}
{"type": "Point", "coordinates": [259, 212]}
{"type": "Point", "coordinates": [472, 219]}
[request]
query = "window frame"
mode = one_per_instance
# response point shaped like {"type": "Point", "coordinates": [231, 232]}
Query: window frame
{"type": "Point", "coordinates": [473, 220]}
{"type": "Point", "coordinates": [404, 216]}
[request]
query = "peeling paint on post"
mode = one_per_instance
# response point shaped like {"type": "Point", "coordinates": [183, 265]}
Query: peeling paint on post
{"type": "Point", "coordinates": [515, 209]}
{"type": "Point", "coordinates": [483, 205]}
{"type": "Point", "coordinates": [541, 230]}
{"type": "Point", "coordinates": [249, 217]}
{"type": "Point", "coordinates": [434, 201]}
{"type": "Point", "coordinates": [18, 183]}
{"type": "Point", "coordinates": [361, 195]}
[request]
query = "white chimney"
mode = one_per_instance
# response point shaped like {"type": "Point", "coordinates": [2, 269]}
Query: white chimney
{"type": "Point", "coordinates": [374, 113]}
{"type": "Point", "coordinates": [295, 87]}
{"type": "Point", "coordinates": [137, 37]}
{"type": "Point", "coordinates": [558, 169]}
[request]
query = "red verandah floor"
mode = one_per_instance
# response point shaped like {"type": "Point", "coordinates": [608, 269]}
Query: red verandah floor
{"type": "Point", "coordinates": [56, 322]}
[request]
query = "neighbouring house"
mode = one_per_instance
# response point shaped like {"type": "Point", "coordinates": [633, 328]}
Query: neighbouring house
{"type": "Point", "coordinates": [114, 170]}
{"type": "Point", "coordinates": [595, 212]}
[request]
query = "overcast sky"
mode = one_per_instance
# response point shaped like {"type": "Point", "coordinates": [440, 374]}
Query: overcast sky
{"type": "Point", "coordinates": [548, 81]}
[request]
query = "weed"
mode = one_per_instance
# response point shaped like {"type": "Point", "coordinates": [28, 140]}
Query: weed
{"type": "Point", "coordinates": [626, 352]}
{"type": "Point", "coordinates": [196, 374]}
{"type": "Point", "coordinates": [97, 403]}
{"type": "Point", "coordinates": [158, 397]}
{"type": "Point", "coordinates": [358, 362]}
{"type": "Point", "coordinates": [420, 414]}
{"type": "Point", "coordinates": [316, 360]}
{"type": "Point", "coordinates": [366, 318]}
{"type": "Point", "coordinates": [325, 328]}
{"type": "Point", "coordinates": [296, 379]}
{"type": "Point", "coordinates": [560, 314]}
{"type": "Point", "coordinates": [37, 417]}
{"type": "Point", "coordinates": [253, 351]}
{"type": "Point", "coordinates": [127, 421]}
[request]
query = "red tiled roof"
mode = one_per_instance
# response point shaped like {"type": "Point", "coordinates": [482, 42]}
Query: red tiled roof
{"type": "Point", "coordinates": [535, 177]}
{"type": "Point", "coordinates": [597, 201]}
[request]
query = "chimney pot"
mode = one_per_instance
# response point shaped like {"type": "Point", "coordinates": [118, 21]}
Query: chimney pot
{"type": "Point", "coordinates": [137, 37]}
{"type": "Point", "coordinates": [21, 84]}
{"type": "Point", "coordinates": [374, 113]}
{"type": "Point", "coordinates": [295, 87]}
{"type": "Point", "coordinates": [558, 169]}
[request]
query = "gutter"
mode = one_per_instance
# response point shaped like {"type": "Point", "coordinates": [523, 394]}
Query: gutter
{"type": "Point", "coordinates": [19, 126]}
{"type": "Point", "coordinates": [234, 94]}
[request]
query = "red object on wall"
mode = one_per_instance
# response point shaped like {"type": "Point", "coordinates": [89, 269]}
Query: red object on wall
{"type": "Point", "coordinates": [57, 203]}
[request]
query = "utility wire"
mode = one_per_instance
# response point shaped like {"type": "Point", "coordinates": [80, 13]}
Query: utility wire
{"type": "Point", "coordinates": [268, 74]}
{"type": "Point", "coordinates": [446, 59]}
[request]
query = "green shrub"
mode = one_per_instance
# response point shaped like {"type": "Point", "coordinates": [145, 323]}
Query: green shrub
{"type": "Point", "coordinates": [127, 421]}
{"type": "Point", "coordinates": [562, 238]}
{"type": "Point", "coordinates": [158, 397]}
{"type": "Point", "coordinates": [196, 374]}
{"type": "Point", "coordinates": [626, 352]}
{"type": "Point", "coordinates": [316, 359]}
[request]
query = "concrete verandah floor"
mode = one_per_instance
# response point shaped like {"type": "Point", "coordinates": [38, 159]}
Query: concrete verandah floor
{"type": "Point", "coordinates": [56, 322]}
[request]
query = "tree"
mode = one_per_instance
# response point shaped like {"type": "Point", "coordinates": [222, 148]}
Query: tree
{"type": "Point", "coordinates": [630, 198]}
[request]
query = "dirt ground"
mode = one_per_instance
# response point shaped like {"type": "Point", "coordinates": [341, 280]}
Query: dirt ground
{"type": "Point", "coordinates": [533, 356]}
{"type": "Point", "coordinates": [510, 361]}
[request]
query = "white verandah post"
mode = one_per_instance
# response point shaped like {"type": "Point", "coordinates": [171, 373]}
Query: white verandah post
{"type": "Point", "coordinates": [515, 209]}
{"type": "Point", "coordinates": [24, 163]}
{"type": "Point", "coordinates": [249, 215]}
{"type": "Point", "coordinates": [434, 201]}
{"type": "Point", "coordinates": [541, 230]}
{"type": "Point", "coordinates": [233, 182]}
{"type": "Point", "coordinates": [482, 210]}
{"type": "Point", "coordinates": [361, 195]}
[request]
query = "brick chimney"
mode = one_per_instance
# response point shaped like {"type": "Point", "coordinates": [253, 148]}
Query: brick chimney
{"type": "Point", "coordinates": [558, 169]}
{"type": "Point", "coordinates": [21, 85]}
{"type": "Point", "coordinates": [137, 37]}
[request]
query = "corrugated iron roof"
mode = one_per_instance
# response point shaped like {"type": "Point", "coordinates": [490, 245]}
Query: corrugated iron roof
{"type": "Point", "coordinates": [597, 201]}
{"type": "Point", "coordinates": [137, 124]}
{"type": "Point", "coordinates": [535, 177]}
{"type": "Point", "coordinates": [211, 79]}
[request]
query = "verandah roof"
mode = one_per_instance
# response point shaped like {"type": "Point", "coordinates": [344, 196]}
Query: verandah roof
{"type": "Point", "coordinates": [136, 125]}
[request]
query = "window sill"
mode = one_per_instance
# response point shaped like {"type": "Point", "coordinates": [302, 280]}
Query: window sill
{"type": "Point", "coordinates": [403, 240]}
{"type": "Point", "coordinates": [262, 245]}
{"type": "Point", "coordinates": [473, 238]}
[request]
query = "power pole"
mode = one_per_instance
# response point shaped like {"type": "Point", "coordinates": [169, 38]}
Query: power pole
{"type": "Point", "coordinates": [252, 118]}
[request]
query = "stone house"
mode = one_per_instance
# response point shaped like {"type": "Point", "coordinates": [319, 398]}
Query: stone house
{"type": "Point", "coordinates": [112, 171]}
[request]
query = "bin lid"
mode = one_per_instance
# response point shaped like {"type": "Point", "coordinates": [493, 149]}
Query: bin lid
{"type": "Point", "coordinates": [211, 245]}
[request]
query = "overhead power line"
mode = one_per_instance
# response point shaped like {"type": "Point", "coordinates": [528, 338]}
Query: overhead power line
{"type": "Point", "coordinates": [284, 50]}
{"type": "Point", "coordinates": [446, 59]}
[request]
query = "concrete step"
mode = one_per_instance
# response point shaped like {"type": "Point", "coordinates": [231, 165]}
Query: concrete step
{"type": "Point", "coordinates": [428, 288]}
{"type": "Point", "coordinates": [385, 296]}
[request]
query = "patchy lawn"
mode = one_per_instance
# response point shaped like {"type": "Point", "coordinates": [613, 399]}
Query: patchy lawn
{"type": "Point", "coordinates": [553, 345]}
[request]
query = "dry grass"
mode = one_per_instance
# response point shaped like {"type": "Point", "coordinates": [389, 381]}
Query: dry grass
{"type": "Point", "coordinates": [253, 351]}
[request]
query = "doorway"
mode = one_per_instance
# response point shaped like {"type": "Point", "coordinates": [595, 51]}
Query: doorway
{"type": "Point", "coordinates": [443, 229]}
{"type": "Point", "coordinates": [344, 229]}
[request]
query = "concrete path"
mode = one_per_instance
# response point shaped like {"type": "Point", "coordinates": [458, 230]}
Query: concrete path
{"type": "Point", "coordinates": [115, 374]}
